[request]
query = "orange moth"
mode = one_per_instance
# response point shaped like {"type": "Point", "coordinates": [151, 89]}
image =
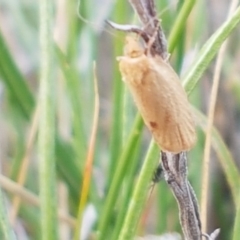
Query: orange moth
{"type": "Point", "coordinates": [159, 96]}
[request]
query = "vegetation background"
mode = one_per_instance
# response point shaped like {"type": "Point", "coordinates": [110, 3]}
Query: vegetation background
{"type": "Point", "coordinates": [50, 133]}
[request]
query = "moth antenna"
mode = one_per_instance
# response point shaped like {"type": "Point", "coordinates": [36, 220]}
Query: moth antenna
{"type": "Point", "coordinates": [81, 17]}
{"type": "Point", "coordinates": [94, 25]}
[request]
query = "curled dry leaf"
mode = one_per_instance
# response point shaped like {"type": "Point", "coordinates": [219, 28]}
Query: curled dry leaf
{"type": "Point", "coordinates": [159, 96]}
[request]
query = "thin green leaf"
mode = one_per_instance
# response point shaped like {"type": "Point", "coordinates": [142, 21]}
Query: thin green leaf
{"type": "Point", "coordinates": [118, 96]}
{"type": "Point", "coordinates": [14, 81]}
{"type": "Point", "coordinates": [236, 230]}
{"type": "Point", "coordinates": [209, 51]}
{"type": "Point", "coordinates": [179, 24]}
{"type": "Point", "coordinates": [117, 180]}
{"type": "Point", "coordinates": [46, 157]}
{"type": "Point", "coordinates": [140, 193]}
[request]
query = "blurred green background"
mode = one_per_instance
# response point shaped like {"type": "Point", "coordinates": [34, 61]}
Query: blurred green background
{"type": "Point", "coordinates": [120, 135]}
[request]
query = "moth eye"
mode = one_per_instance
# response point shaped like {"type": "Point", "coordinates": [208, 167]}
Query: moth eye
{"type": "Point", "coordinates": [133, 49]}
{"type": "Point", "coordinates": [136, 53]}
{"type": "Point", "coordinates": [133, 52]}
{"type": "Point", "coordinates": [153, 124]}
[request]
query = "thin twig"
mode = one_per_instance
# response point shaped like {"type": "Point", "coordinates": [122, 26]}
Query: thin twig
{"type": "Point", "coordinates": [29, 197]}
{"type": "Point", "coordinates": [63, 196]}
{"type": "Point", "coordinates": [147, 13]}
{"type": "Point", "coordinates": [175, 171]}
{"type": "Point", "coordinates": [24, 166]}
{"type": "Point", "coordinates": [89, 161]}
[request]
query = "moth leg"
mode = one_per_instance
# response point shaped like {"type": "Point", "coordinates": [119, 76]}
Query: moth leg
{"type": "Point", "coordinates": [167, 58]}
{"type": "Point", "coordinates": [158, 174]}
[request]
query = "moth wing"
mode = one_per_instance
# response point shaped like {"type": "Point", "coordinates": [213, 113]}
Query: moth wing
{"type": "Point", "coordinates": [161, 100]}
{"type": "Point", "coordinates": [178, 127]}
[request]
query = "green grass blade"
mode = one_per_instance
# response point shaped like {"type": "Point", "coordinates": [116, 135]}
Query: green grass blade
{"type": "Point", "coordinates": [118, 178]}
{"type": "Point", "coordinates": [67, 168]}
{"type": "Point", "coordinates": [14, 81]}
{"type": "Point", "coordinates": [46, 157]}
{"type": "Point", "coordinates": [209, 51]}
{"type": "Point", "coordinates": [118, 96]}
{"type": "Point", "coordinates": [140, 193]}
{"type": "Point", "coordinates": [128, 188]}
{"type": "Point", "coordinates": [179, 24]}
{"type": "Point", "coordinates": [236, 230]}
{"type": "Point", "coordinates": [72, 83]}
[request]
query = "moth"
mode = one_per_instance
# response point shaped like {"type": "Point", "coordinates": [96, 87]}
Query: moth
{"type": "Point", "coordinates": [159, 96]}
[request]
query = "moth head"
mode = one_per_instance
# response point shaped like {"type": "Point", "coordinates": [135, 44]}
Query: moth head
{"type": "Point", "coordinates": [132, 48]}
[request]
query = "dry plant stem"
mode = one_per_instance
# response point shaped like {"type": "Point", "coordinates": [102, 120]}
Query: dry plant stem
{"type": "Point", "coordinates": [175, 173]}
{"type": "Point", "coordinates": [207, 148]}
{"type": "Point", "coordinates": [31, 198]}
{"type": "Point", "coordinates": [24, 166]}
{"type": "Point", "coordinates": [147, 14]}
{"type": "Point", "coordinates": [64, 228]}
{"type": "Point", "coordinates": [89, 161]}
